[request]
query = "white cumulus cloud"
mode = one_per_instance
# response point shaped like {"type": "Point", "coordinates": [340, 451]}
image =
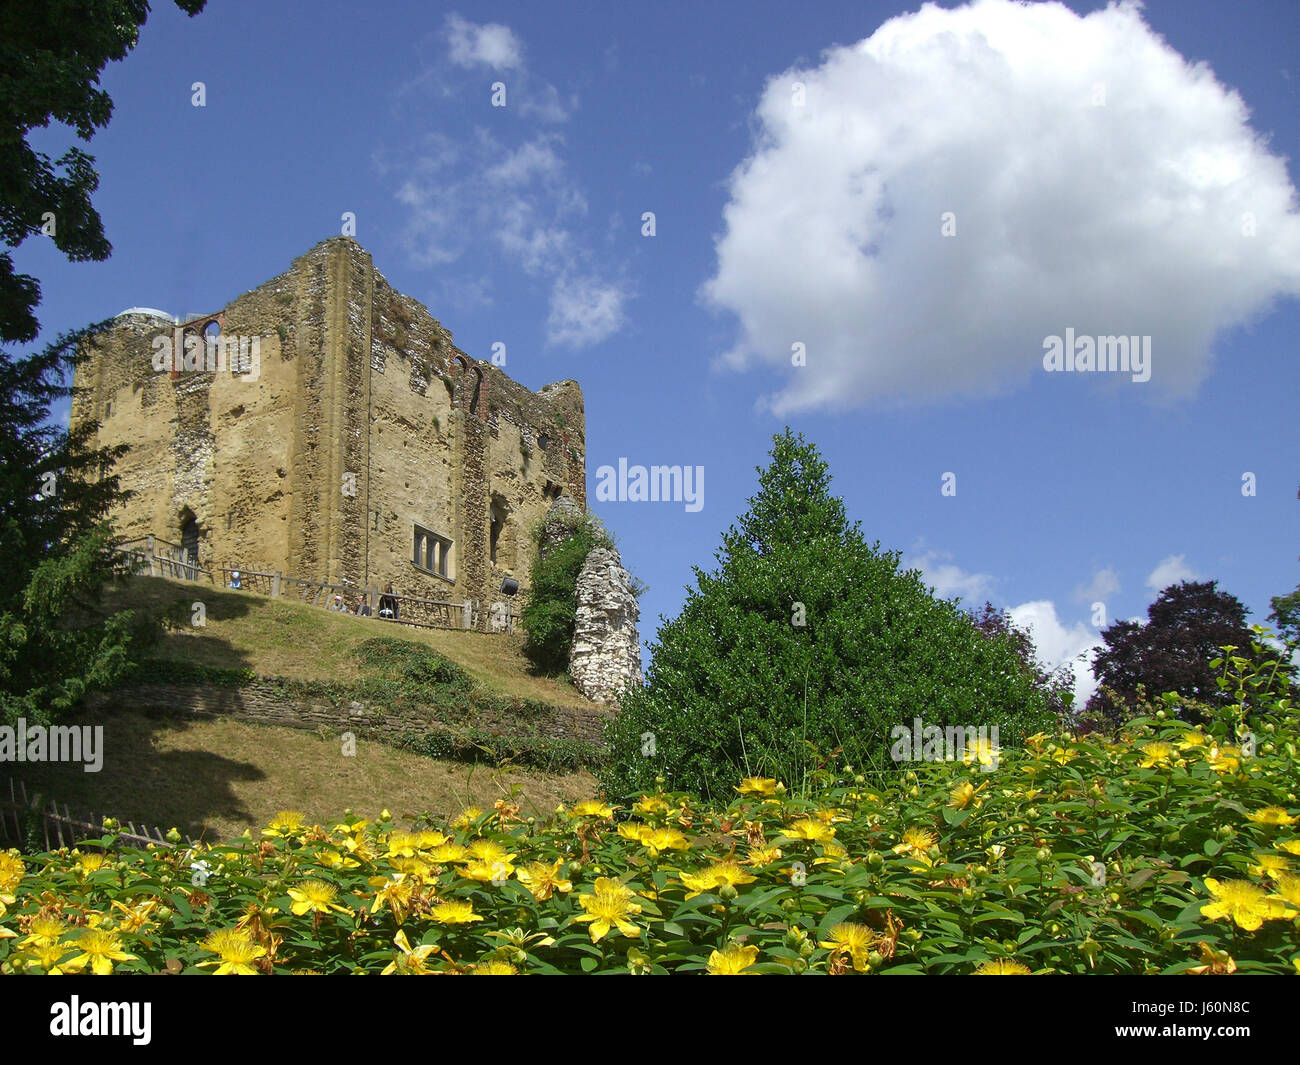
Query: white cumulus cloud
{"type": "Point", "coordinates": [1059, 644]}
{"type": "Point", "coordinates": [584, 311]}
{"type": "Point", "coordinates": [949, 580]}
{"type": "Point", "coordinates": [1104, 583]}
{"type": "Point", "coordinates": [1096, 181]}
{"type": "Point", "coordinates": [1169, 571]}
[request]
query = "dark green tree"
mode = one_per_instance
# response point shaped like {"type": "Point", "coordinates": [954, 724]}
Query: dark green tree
{"type": "Point", "coordinates": [1057, 686]}
{"type": "Point", "coordinates": [55, 487]}
{"type": "Point", "coordinates": [803, 641]}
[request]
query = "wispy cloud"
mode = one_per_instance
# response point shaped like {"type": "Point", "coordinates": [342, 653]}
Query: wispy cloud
{"type": "Point", "coordinates": [1171, 570]}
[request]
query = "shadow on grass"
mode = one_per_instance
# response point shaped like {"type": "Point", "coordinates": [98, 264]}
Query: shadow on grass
{"type": "Point", "coordinates": [184, 789]}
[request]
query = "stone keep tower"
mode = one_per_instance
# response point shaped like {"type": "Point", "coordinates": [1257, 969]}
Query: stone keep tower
{"type": "Point", "coordinates": [326, 426]}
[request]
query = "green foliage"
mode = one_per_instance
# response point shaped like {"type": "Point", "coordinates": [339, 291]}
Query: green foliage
{"type": "Point", "coordinates": [1186, 624]}
{"type": "Point", "coordinates": [1168, 852]}
{"type": "Point", "coordinates": [549, 614]}
{"type": "Point", "coordinates": [51, 58]}
{"type": "Point", "coordinates": [738, 686]}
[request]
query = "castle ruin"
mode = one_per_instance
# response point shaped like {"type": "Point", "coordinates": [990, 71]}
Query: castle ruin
{"type": "Point", "coordinates": [338, 435]}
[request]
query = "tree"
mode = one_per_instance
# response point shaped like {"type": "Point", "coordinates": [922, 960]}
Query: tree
{"type": "Point", "coordinates": [1057, 686]}
{"type": "Point", "coordinates": [803, 641]}
{"type": "Point", "coordinates": [1187, 625]}
{"type": "Point", "coordinates": [55, 489]}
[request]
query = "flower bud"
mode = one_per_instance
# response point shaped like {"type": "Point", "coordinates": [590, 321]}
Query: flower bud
{"type": "Point", "coordinates": [799, 965]}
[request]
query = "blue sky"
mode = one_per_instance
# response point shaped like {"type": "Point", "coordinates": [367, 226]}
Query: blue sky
{"type": "Point", "coordinates": [1099, 172]}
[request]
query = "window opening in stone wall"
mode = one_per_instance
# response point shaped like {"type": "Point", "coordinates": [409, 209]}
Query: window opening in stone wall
{"type": "Point", "coordinates": [189, 536]}
{"type": "Point", "coordinates": [499, 512]}
{"type": "Point", "coordinates": [432, 553]}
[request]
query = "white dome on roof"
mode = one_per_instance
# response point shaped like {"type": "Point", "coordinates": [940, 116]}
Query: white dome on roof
{"type": "Point", "coordinates": [153, 312]}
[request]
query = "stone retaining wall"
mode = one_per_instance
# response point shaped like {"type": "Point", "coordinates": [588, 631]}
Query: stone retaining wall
{"type": "Point", "coordinates": [262, 702]}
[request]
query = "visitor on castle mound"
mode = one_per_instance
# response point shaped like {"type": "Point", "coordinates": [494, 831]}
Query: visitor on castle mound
{"type": "Point", "coordinates": [339, 605]}
{"type": "Point", "coordinates": [234, 580]}
{"type": "Point", "coordinates": [363, 607]}
{"type": "Point", "coordinates": [388, 603]}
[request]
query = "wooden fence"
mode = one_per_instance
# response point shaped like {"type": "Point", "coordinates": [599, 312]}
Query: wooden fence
{"type": "Point", "coordinates": [62, 829]}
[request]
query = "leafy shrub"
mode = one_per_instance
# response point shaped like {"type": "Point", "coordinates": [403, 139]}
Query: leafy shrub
{"type": "Point", "coordinates": [549, 614]}
{"type": "Point", "coordinates": [1171, 851]}
{"type": "Point", "coordinates": [803, 642]}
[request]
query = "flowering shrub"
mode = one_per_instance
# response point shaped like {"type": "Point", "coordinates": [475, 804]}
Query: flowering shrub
{"type": "Point", "coordinates": [1172, 850]}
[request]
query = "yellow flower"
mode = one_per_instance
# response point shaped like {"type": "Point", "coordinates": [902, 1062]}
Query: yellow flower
{"type": "Point", "coordinates": [651, 804]}
{"type": "Point", "coordinates": [11, 871]}
{"type": "Point", "coordinates": [542, 880]}
{"type": "Point", "coordinates": [409, 962]}
{"type": "Point", "coordinates": [732, 960]}
{"type": "Point", "coordinates": [763, 855]}
{"type": "Point", "coordinates": [48, 956]}
{"type": "Point", "coordinates": [832, 853]}
{"type": "Point", "coordinates": [429, 839]}
{"type": "Point", "coordinates": [1272, 815]}
{"type": "Point", "coordinates": [99, 949]}
{"type": "Point", "coordinates": [855, 940]}
{"type": "Point", "coordinates": [314, 896]}
{"type": "Point", "coordinates": [467, 817]}
{"type": "Point", "coordinates": [1288, 888]}
{"type": "Point", "coordinates": [1242, 902]}
{"type": "Point", "coordinates": [489, 851]}
{"type": "Point", "coordinates": [1269, 865]}
{"type": "Point", "coordinates": [1191, 739]}
{"type": "Point", "coordinates": [332, 859]}
{"type": "Point", "coordinates": [488, 872]}
{"type": "Point", "coordinates": [136, 917]}
{"type": "Point", "coordinates": [660, 839]}
{"type": "Point", "coordinates": [964, 794]}
{"type": "Point", "coordinates": [411, 866]}
{"type": "Point", "coordinates": [1216, 963]}
{"type": "Point", "coordinates": [1158, 753]}
{"type": "Point", "coordinates": [494, 967]}
{"type": "Point", "coordinates": [807, 828]}
{"type": "Point", "coordinates": [449, 852]}
{"type": "Point", "coordinates": [402, 845]}
{"type": "Point", "coordinates": [1003, 967]}
{"type": "Point", "coordinates": [760, 786]}
{"type": "Point", "coordinates": [982, 751]}
{"type": "Point", "coordinates": [92, 862]}
{"type": "Point", "coordinates": [1291, 846]}
{"type": "Point", "coordinates": [916, 841]}
{"type": "Point", "coordinates": [284, 823]}
{"type": "Point", "coordinates": [720, 874]}
{"type": "Point", "coordinates": [237, 950]}
{"type": "Point", "coordinates": [609, 906]}
{"type": "Point", "coordinates": [395, 892]}
{"type": "Point", "coordinates": [44, 930]}
{"type": "Point", "coordinates": [454, 911]}
{"type": "Point", "coordinates": [592, 808]}
{"type": "Point", "coordinates": [1224, 760]}
{"type": "Point", "coordinates": [634, 830]}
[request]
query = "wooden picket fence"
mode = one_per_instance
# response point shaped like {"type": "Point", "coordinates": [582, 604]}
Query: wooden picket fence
{"type": "Point", "coordinates": [63, 829]}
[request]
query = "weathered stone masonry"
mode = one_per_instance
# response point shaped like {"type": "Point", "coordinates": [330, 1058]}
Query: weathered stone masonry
{"type": "Point", "coordinates": [362, 437]}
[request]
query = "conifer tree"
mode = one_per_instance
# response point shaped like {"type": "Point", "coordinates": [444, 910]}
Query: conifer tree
{"type": "Point", "coordinates": [806, 640]}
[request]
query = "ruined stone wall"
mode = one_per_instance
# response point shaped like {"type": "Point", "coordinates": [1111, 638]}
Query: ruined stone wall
{"type": "Point", "coordinates": [606, 655]}
{"type": "Point", "coordinates": [362, 422]}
